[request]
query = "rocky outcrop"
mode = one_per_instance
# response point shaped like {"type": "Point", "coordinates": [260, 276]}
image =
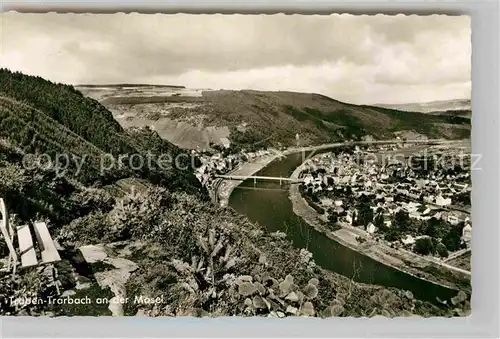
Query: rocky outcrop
{"type": "Point", "coordinates": [114, 278]}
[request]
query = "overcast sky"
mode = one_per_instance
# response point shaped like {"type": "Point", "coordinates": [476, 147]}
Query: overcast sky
{"type": "Point", "coordinates": [358, 59]}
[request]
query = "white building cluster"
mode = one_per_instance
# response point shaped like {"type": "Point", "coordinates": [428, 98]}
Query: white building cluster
{"type": "Point", "coordinates": [391, 187]}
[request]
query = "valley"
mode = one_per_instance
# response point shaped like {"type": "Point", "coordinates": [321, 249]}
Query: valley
{"type": "Point", "coordinates": [150, 231]}
{"type": "Point", "coordinates": [255, 119]}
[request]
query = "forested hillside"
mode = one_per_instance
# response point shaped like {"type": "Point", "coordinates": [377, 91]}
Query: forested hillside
{"type": "Point", "coordinates": [275, 118]}
{"type": "Point", "coordinates": [38, 116]}
{"type": "Point", "coordinates": [206, 260]}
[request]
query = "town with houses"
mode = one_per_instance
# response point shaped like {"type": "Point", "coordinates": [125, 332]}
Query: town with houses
{"type": "Point", "coordinates": [417, 203]}
{"type": "Point", "coordinates": [417, 198]}
{"type": "Point", "coordinates": [220, 161]}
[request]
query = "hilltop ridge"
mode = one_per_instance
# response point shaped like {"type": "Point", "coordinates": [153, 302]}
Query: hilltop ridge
{"type": "Point", "coordinates": [127, 85]}
{"type": "Point", "coordinates": [460, 107]}
{"type": "Point", "coordinates": [247, 117]}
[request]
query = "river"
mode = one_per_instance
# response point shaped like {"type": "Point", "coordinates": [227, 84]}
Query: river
{"type": "Point", "coordinates": [268, 204]}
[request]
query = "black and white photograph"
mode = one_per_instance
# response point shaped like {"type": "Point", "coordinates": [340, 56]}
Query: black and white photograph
{"type": "Point", "coordinates": [170, 165]}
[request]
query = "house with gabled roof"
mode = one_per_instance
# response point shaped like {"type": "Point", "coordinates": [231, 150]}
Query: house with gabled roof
{"type": "Point", "coordinates": [441, 201]}
{"type": "Point", "coordinates": [467, 234]}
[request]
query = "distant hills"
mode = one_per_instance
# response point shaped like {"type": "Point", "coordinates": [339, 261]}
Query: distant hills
{"type": "Point", "coordinates": [462, 107]}
{"type": "Point", "coordinates": [128, 85]}
{"type": "Point", "coordinates": [262, 118]}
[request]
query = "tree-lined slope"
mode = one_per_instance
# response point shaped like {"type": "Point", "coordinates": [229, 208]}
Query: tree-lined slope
{"type": "Point", "coordinates": [44, 118]}
{"type": "Point", "coordinates": [253, 116]}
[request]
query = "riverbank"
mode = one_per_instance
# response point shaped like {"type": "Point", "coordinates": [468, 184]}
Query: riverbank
{"type": "Point", "coordinates": [400, 259]}
{"type": "Point", "coordinates": [224, 188]}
